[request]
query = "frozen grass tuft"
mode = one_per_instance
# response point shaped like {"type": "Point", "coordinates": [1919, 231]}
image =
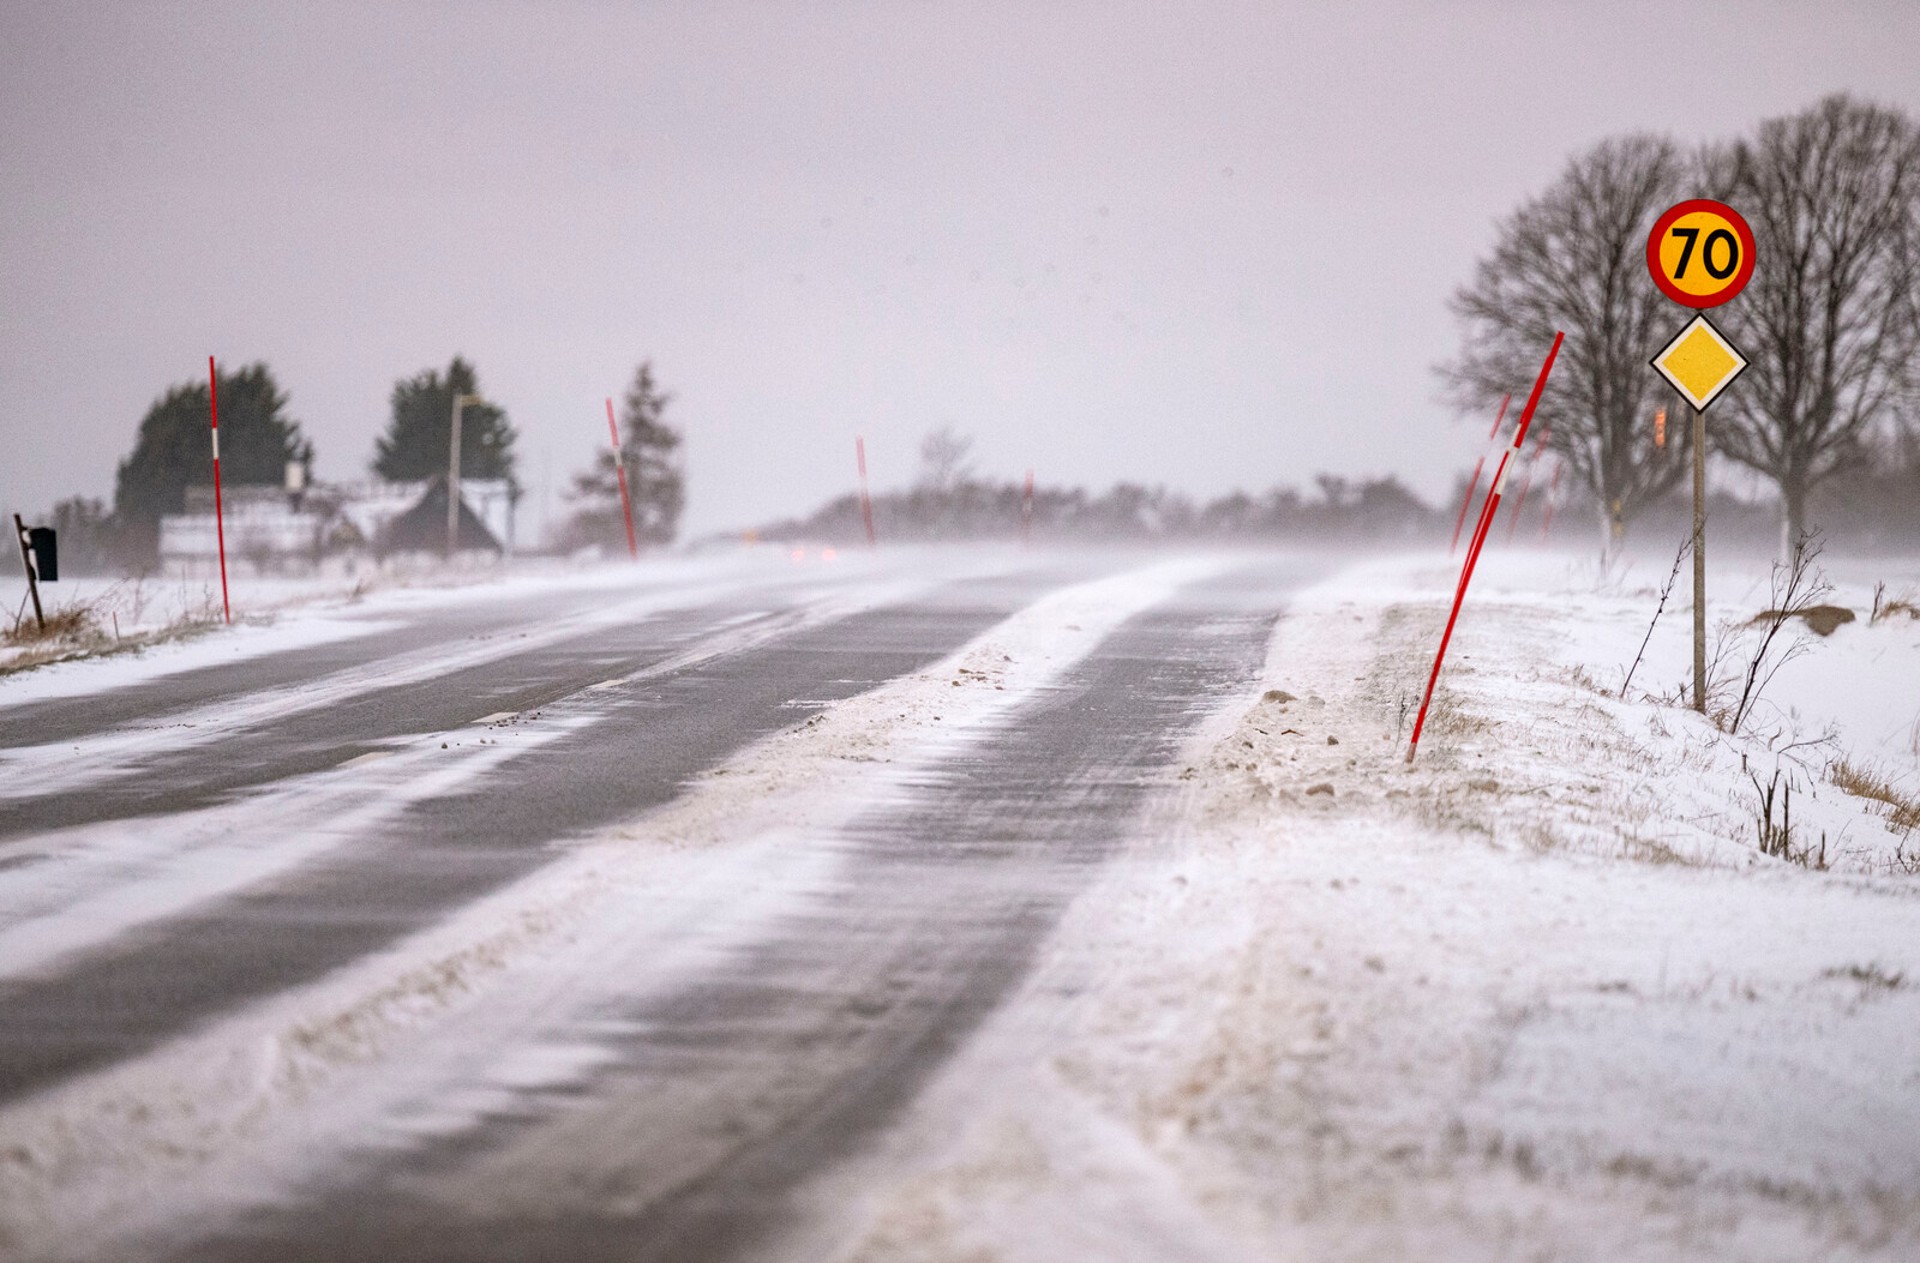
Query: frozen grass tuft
{"type": "Point", "coordinates": [111, 621]}
{"type": "Point", "coordinates": [1903, 809]}
{"type": "Point", "coordinates": [75, 624]}
{"type": "Point", "coordinates": [1904, 604]}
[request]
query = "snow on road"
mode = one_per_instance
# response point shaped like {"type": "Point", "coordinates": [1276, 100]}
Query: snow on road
{"type": "Point", "coordinates": [430, 1035]}
{"type": "Point", "coordinates": [66, 766]}
{"type": "Point", "coordinates": [1537, 997]}
{"type": "Point", "coordinates": [83, 887]}
{"type": "Point", "coordinates": [80, 887]}
{"type": "Point", "coordinates": [150, 628]}
{"type": "Point", "coordinates": [172, 625]}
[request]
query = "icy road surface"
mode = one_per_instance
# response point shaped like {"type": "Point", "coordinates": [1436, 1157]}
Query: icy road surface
{"type": "Point", "coordinates": [579, 921]}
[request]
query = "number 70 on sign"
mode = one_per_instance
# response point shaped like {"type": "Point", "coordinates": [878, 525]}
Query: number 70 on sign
{"type": "Point", "coordinates": [1700, 253]}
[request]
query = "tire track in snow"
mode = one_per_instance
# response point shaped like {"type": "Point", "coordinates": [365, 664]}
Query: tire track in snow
{"type": "Point", "coordinates": [128, 995]}
{"type": "Point", "coordinates": [94, 883]}
{"type": "Point", "coordinates": [57, 769]}
{"type": "Point", "coordinates": [673, 1122]}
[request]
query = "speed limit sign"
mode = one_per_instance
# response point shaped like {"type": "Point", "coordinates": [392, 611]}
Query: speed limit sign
{"type": "Point", "coordinates": [1700, 253]}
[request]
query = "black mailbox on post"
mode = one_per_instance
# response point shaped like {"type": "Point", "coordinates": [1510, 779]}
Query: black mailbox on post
{"type": "Point", "coordinates": [46, 555]}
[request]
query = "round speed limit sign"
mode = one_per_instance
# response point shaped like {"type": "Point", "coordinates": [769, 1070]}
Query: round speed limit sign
{"type": "Point", "coordinates": [1700, 253]}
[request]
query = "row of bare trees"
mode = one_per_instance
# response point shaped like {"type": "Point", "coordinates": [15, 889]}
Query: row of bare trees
{"type": "Point", "coordinates": [1830, 321]}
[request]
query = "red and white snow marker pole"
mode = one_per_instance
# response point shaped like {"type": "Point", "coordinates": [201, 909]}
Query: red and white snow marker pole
{"type": "Point", "coordinates": [1026, 513]}
{"type": "Point", "coordinates": [866, 500]}
{"type": "Point", "coordinates": [1520, 504]}
{"type": "Point", "coordinates": [219, 512]}
{"type": "Point", "coordinates": [1480, 535]}
{"type": "Point", "coordinates": [1473, 484]}
{"type": "Point", "coordinates": [1553, 494]}
{"type": "Point", "coordinates": [620, 467]}
{"type": "Point", "coordinates": [1520, 501]}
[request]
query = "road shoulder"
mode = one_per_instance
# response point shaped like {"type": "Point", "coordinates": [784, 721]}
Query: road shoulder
{"type": "Point", "coordinates": [1538, 996]}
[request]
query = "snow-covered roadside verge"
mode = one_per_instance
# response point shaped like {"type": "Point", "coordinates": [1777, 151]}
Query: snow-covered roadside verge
{"type": "Point", "coordinates": [129, 630]}
{"type": "Point", "coordinates": [1536, 997]}
{"type": "Point", "coordinates": [154, 618]}
{"type": "Point", "coordinates": [429, 1036]}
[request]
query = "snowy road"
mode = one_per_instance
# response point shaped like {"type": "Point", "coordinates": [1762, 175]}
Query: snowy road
{"type": "Point", "coordinates": [583, 935]}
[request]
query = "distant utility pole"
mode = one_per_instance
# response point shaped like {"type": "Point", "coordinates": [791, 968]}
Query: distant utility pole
{"type": "Point", "coordinates": [453, 474]}
{"type": "Point", "coordinates": [546, 497]}
{"type": "Point", "coordinates": [866, 499]}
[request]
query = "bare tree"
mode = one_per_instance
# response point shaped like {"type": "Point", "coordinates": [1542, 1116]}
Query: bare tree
{"type": "Point", "coordinates": [943, 460]}
{"type": "Point", "coordinates": [1831, 319]}
{"type": "Point", "coordinates": [1574, 259]}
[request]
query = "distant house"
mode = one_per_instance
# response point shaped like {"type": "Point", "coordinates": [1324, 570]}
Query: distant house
{"type": "Point", "coordinates": [263, 526]}
{"type": "Point", "coordinates": [270, 529]}
{"type": "Point", "coordinates": [422, 527]}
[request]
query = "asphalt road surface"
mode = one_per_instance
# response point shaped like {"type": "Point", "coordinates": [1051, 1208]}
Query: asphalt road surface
{"type": "Point", "coordinates": [708, 1096]}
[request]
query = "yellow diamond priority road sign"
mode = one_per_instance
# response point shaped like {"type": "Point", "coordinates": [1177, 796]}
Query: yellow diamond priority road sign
{"type": "Point", "coordinates": [1700, 363]}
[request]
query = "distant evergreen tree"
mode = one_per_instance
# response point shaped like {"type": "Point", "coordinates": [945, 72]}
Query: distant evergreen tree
{"type": "Point", "coordinates": [174, 451]}
{"type": "Point", "coordinates": [419, 433]}
{"type": "Point", "coordinates": [649, 448]}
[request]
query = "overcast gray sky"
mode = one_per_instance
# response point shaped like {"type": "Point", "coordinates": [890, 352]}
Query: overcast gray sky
{"type": "Point", "coordinates": [1202, 244]}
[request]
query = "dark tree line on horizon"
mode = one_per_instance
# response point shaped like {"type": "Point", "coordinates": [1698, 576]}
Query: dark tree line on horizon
{"type": "Point", "coordinates": [172, 452]}
{"type": "Point", "coordinates": [1877, 511]}
{"type": "Point", "coordinates": [1379, 509]}
{"type": "Point", "coordinates": [948, 502]}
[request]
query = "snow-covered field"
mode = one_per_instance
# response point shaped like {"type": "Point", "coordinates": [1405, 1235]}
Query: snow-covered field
{"type": "Point", "coordinates": [1538, 996]}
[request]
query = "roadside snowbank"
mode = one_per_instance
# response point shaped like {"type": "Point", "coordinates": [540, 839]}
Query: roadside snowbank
{"type": "Point", "coordinates": [1538, 996]}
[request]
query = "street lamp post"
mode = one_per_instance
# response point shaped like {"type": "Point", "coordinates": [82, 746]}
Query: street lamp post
{"type": "Point", "coordinates": [453, 474]}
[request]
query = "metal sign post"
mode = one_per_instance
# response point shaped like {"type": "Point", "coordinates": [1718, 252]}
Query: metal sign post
{"type": "Point", "coordinates": [33, 576]}
{"type": "Point", "coordinates": [453, 478]}
{"type": "Point", "coordinates": [1700, 561]}
{"type": "Point", "coordinates": [1700, 363]}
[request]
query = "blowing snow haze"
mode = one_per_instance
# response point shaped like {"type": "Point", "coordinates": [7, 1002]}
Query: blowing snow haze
{"type": "Point", "coordinates": [1207, 246]}
{"type": "Point", "coordinates": [1149, 820]}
